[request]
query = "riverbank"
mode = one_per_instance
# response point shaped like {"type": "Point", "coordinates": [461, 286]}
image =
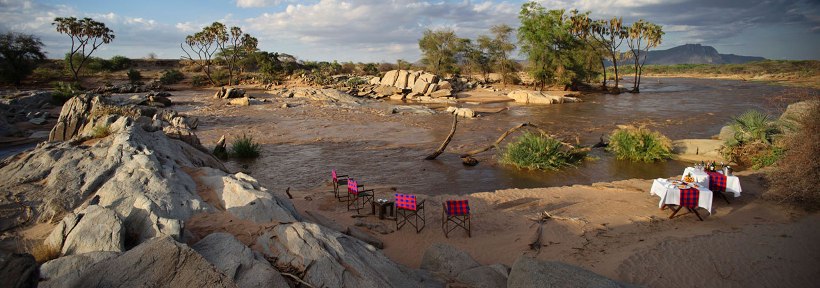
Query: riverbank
{"type": "Point", "coordinates": [612, 228]}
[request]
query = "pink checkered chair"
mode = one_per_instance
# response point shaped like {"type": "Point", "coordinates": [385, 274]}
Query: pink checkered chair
{"type": "Point", "coordinates": [357, 197]}
{"type": "Point", "coordinates": [409, 211]}
{"type": "Point", "coordinates": [456, 212]}
{"type": "Point", "coordinates": [338, 181]}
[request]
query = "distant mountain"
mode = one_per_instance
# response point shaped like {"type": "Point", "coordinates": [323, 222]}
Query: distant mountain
{"type": "Point", "coordinates": [695, 54]}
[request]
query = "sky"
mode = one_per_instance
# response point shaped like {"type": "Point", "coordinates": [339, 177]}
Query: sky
{"type": "Point", "coordinates": [387, 30]}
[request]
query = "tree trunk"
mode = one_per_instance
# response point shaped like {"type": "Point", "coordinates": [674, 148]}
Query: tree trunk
{"type": "Point", "coordinates": [446, 141]}
{"type": "Point", "coordinates": [603, 65]}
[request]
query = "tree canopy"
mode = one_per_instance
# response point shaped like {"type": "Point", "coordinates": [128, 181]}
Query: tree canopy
{"type": "Point", "coordinates": [19, 55]}
{"type": "Point", "coordinates": [86, 36]}
{"type": "Point", "coordinates": [439, 49]}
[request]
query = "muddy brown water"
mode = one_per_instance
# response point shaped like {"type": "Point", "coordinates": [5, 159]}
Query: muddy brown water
{"type": "Point", "coordinates": [678, 107]}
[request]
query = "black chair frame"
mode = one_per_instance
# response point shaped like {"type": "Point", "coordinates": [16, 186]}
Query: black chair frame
{"type": "Point", "coordinates": [405, 216]}
{"type": "Point", "coordinates": [341, 181]}
{"type": "Point", "coordinates": [358, 201]}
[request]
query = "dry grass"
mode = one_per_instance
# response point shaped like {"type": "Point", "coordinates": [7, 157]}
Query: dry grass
{"type": "Point", "coordinates": [44, 252]}
{"type": "Point", "coordinates": [796, 177]}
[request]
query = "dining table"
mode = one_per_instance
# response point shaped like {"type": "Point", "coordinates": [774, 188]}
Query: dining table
{"type": "Point", "coordinates": [702, 178]}
{"type": "Point", "coordinates": [670, 194]}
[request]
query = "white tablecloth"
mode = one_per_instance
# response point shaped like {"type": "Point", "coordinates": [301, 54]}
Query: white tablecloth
{"type": "Point", "coordinates": [732, 182]}
{"type": "Point", "coordinates": [671, 194]}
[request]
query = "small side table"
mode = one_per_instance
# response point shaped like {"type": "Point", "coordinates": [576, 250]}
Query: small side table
{"type": "Point", "coordinates": [382, 208]}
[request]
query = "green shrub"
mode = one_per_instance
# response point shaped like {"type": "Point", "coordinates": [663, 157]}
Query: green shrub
{"type": "Point", "coordinates": [118, 63]}
{"type": "Point", "coordinates": [537, 151]}
{"type": "Point", "coordinates": [101, 131]}
{"type": "Point", "coordinates": [198, 81]}
{"type": "Point", "coordinates": [220, 76]}
{"type": "Point", "coordinates": [134, 75]}
{"type": "Point", "coordinates": [64, 91]}
{"type": "Point", "coordinates": [796, 178]}
{"type": "Point", "coordinates": [752, 143]}
{"type": "Point", "coordinates": [640, 144]}
{"type": "Point", "coordinates": [171, 76]}
{"type": "Point", "coordinates": [244, 147]}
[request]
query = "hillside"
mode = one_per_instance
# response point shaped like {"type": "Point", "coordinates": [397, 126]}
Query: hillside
{"type": "Point", "coordinates": [695, 54]}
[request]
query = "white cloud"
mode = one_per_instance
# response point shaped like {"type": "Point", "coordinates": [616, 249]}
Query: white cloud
{"type": "Point", "coordinates": [256, 3]}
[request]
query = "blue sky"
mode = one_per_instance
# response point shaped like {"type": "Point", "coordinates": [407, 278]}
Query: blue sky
{"type": "Point", "coordinates": [385, 30]}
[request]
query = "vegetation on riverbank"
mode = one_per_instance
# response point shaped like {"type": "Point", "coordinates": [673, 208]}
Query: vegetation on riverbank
{"type": "Point", "coordinates": [754, 140]}
{"type": "Point", "coordinates": [639, 144]}
{"type": "Point", "coordinates": [245, 147]}
{"type": "Point", "coordinates": [796, 177]}
{"type": "Point", "coordinates": [538, 151]}
{"type": "Point", "coordinates": [804, 73]}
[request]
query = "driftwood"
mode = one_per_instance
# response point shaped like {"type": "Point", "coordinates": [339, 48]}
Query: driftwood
{"type": "Point", "coordinates": [504, 136]}
{"type": "Point", "coordinates": [535, 243]}
{"type": "Point", "coordinates": [287, 191]}
{"type": "Point", "coordinates": [446, 141]}
{"type": "Point", "coordinates": [297, 279]}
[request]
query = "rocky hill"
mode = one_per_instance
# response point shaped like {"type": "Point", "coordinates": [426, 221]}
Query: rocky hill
{"type": "Point", "coordinates": [695, 54]}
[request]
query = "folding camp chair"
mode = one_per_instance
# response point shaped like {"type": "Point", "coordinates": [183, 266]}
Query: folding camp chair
{"type": "Point", "coordinates": [409, 211]}
{"type": "Point", "coordinates": [338, 181]}
{"type": "Point", "coordinates": [457, 212]}
{"type": "Point", "coordinates": [357, 197]}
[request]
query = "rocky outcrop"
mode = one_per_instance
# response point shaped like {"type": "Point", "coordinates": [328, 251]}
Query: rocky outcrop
{"type": "Point", "coordinates": [447, 260]}
{"type": "Point", "coordinates": [129, 88]}
{"type": "Point", "coordinates": [95, 229]}
{"type": "Point", "coordinates": [242, 195]}
{"type": "Point", "coordinates": [238, 262]}
{"type": "Point", "coordinates": [483, 277]}
{"type": "Point", "coordinates": [529, 272]}
{"type": "Point", "coordinates": [157, 262]}
{"type": "Point", "coordinates": [74, 265]}
{"type": "Point", "coordinates": [328, 258]}
{"type": "Point", "coordinates": [408, 84]}
{"type": "Point", "coordinates": [542, 97]}
{"type": "Point", "coordinates": [316, 94]}
{"type": "Point", "coordinates": [73, 117]}
{"type": "Point", "coordinates": [462, 112]}
{"type": "Point", "coordinates": [701, 147]}
{"type": "Point", "coordinates": [228, 93]}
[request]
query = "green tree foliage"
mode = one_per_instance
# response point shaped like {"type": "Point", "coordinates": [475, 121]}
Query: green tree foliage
{"type": "Point", "coordinates": [639, 144]}
{"type": "Point", "coordinates": [498, 50]}
{"type": "Point", "coordinates": [19, 55]}
{"type": "Point", "coordinates": [439, 49]}
{"type": "Point", "coordinates": [476, 58]}
{"type": "Point", "coordinates": [552, 51]}
{"type": "Point", "coordinates": [134, 76]}
{"type": "Point", "coordinates": [86, 36]}
{"type": "Point", "coordinates": [232, 45]}
{"type": "Point", "coordinates": [642, 37]}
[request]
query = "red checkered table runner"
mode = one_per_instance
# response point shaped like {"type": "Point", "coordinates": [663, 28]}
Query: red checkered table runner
{"type": "Point", "coordinates": [717, 181]}
{"type": "Point", "coordinates": [689, 197]}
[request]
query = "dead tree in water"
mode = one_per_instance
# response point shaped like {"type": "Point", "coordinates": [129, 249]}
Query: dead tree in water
{"type": "Point", "coordinates": [503, 136]}
{"type": "Point", "coordinates": [446, 141]}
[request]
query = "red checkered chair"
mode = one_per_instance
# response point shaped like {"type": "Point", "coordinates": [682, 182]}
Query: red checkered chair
{"type": "Point", "coordinates": [357, 197]}
{"type": "Point", "coordinates": [456, 212]}
{"type": "Point", "coordinates": [338, 181]}
{"type": "Point", "coordinates": [409, 210]}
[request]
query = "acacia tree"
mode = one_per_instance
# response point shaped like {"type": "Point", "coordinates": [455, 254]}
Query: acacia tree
{"type": "Point", "coordinates": [204, 44]}
{"type": "Point", "coordinates": [498, 49]}
{"type": "Point", "coordinates": [551, 49]}
{"type": "Point", "coordinates": [238, 45]}
{"type": "Point", "coordinates": [19, 55]}
{"type": "Point", "coordinates": [84, 33]}
{"type": "Point", "coordinates": [476, 58]}
{"type": "Point", "coordinates": [643, 36]}
{"type": "Point", "coordinates": [439, 49]}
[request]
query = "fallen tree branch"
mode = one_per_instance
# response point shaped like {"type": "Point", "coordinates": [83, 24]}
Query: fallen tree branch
{"type": "Point", "coordinates": [297, 279]}
{"type": "Point", "coordinates": [446, 141]}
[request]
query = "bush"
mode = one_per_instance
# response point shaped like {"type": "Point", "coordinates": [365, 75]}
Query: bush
{"type": "Point", "coordinates": [755, 133]}
{"type": "Point", "coordinates": [640, 144]}
{"type": "Point", "coordinates": [134, 75]}
{"type": "Point", "coordinates": [101, 131]}
{"type": "Point", "coordinates": [171, 76]}
{"type": "Point", "coordinates": [64, 91]}
{"type": "Point", "coordinates": [244, 147]}
{"type": "Point", "coordinates": [19, 55]}
{"type": "Point", "coordinates": [537, 151]}
{"type": "Point", "coordinates": [118, 63]}
{"type": "Point", "coordinates": [198, 81]}
{"type": "Point", "coordinates": [44, 252]}
{"type": "Point", "coordinates": [796, 178]}
{"type": "Point", "coordinates": [220, 76]}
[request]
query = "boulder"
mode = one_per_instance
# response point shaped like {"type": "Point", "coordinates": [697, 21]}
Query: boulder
{"type": "Point", "coordinates": [228, 93]}
{"type": "Point", "coordinates": [390, 78]}
{"type": "Point", "coordinates": [241, 195]}
{"type": "Point", "coordinates": [529, 272]}
{"type": "Point", "coordinates": [428, 78]}
{"type": "Point", "coordinates": [18, 270]}
{"type": "Point", "coordinates": [96, 229]}
{"type": "Point", "coordinates": [797, 110]}
{"type": "Point", "coordinates": [442, 93]}
{"type": "Point", "coordinates": [462, 112]}
{"type": "Point", "coordinates": [412, 77]}
{"type": "Point", "coordinates": [244, 101]}
{"type": "Point", "coordinates": [483, 277]}
{"type": "Point", "coordinates": [327, 258]}
{"type": "Point", "coordinates": [411, 109]}
{"type": "Point", "coordinates": [703, 147]}
{"type": "Point", "coordinates": [73, 264]}
{"type": "Point", "coordinates": [365, 236]}
{"type": "Point", "coordinates": [160, 101]}
{"type": "Point", "coordinates": [375, 81]}
{"type": "Point", "coordinates": [541, 97]}
{"type": "Point", "coordinates": [726, 132]}
{"type": "Point", "coordinates": [382, 90]}
{"type": "Point", "coordinates": [431, 88]}
{"type": "Point", "coordinates": [401, 81]}
{"type": "Point", "coordinates": [237, 261]}
{"type": "Point", "coordinates": [444, 85]}
{"type": "Point", "coordinates": [447, 260]}
{"type": "Point", "coordinates": [329, 95]}
{"type": "Point", "coordinates": [420, 87]}
{"type": "Point", "coordinates": [73, 116]}
{"type": "Point", "coordinates": [157, 262]}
